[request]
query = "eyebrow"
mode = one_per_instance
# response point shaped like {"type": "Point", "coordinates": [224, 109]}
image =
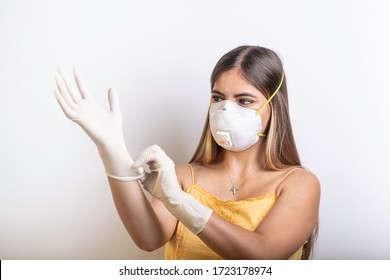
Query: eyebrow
{"type": "Point", "coordinates": [247, 94]}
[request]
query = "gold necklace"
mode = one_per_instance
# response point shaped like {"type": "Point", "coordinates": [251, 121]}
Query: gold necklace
{"type": "Point", "coordinates": [234, 187]}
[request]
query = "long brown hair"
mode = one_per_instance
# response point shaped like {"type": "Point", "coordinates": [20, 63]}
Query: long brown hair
{"type": "Point", "coordinates": [262, 68]}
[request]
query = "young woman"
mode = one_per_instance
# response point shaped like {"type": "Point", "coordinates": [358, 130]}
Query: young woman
{"type": "Point", "coordinates": [244, 194]}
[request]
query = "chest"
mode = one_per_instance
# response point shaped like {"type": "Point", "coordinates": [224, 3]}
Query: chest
{"type": "Point", "coordinates": [226, 188]}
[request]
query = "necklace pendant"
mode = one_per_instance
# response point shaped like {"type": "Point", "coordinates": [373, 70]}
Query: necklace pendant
{"type": "Point", "coordinates": [234, 190]}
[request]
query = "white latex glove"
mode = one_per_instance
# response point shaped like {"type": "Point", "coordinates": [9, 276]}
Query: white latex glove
{"type": "Point", "coordinates": [162, 184]}
{"type": "Point", "coordinates": [104, 128]}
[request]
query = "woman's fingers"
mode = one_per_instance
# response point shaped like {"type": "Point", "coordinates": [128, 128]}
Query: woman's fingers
{"type": "Point", "coordinates": [63, 104]}
{"type": "Point", "coordinates": [113, 100]}
{"type": "Point", "coordinates": [80, 103]}
{"type": "Point", "coordinates": [155, 158]}
{"type": "Point", "coordinates": [63, 91]}
{"type": "Point", "coordinates": [148, 156]}
{"type": "Point", "coordinates": [80, 84]}
{"type": "Point", "coordinates": [69, 85]}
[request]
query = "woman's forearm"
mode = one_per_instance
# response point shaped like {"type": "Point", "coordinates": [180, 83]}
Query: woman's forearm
{"type": "Point", "coordinates": [139, 216]}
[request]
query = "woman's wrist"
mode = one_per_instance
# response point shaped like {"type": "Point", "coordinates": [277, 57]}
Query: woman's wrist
{"type": "Point", "coordinates": [118, 163]}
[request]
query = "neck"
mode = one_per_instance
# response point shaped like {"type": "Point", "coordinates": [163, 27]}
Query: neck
{"type": "Point", "coordinates": [245, 161]}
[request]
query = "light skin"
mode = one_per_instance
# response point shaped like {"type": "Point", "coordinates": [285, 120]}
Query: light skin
{"type": "Point", "coordinates": [283, 231]}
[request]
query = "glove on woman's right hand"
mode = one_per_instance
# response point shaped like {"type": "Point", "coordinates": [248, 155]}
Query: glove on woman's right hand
{"type": "Point", "coordinates": [104, 128]}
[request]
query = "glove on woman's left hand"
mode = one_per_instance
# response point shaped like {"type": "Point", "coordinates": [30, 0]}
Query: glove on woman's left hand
{"type": "Point", "coordinates": [162, 183]}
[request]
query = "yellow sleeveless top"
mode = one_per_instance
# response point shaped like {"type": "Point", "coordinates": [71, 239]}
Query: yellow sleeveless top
{"type": "Point", "coordinates": [248, 214]}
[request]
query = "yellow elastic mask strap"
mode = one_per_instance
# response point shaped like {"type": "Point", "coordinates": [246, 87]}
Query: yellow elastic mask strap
{"type": "Point", "coordinates": [268, 101]}
{"type": "Point", "coordinates": [272, 96]}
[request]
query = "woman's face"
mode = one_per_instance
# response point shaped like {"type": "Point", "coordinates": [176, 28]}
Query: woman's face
{"type": "Point", "coordinates": [232, 86]}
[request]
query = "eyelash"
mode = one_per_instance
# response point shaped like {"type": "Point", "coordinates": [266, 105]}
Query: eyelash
{"type": "Point", "coordinates": [217, 98]}
{"type": "Point", "coordinates": [246, 102]}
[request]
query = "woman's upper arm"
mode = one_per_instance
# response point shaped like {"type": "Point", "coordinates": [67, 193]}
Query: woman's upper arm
{"type": "Point", "coordinates": [294, 215]}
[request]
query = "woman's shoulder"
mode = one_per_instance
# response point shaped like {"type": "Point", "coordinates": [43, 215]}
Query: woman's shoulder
{"type": "Point", "coordinates": [195, 166]}
{"type": "Point", "coordinates": [299, 181]}
{"type": "Point", "coordinates": [185, 172]}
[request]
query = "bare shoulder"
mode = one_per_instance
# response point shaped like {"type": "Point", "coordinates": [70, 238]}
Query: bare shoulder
{"type": "Point", "coordinates": [301, 183]}
{"type": "Point", "coordinates": [185, 176]}
{"type": "Point", "coordinates": [183, 173]}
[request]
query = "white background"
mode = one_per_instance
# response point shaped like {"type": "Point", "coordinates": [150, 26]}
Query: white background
{"type": "Point", "coordinates": [54, 198]}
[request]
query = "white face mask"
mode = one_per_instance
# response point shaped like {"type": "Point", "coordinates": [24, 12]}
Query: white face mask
{"type": "Point", "coordinates": [236, 128]}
